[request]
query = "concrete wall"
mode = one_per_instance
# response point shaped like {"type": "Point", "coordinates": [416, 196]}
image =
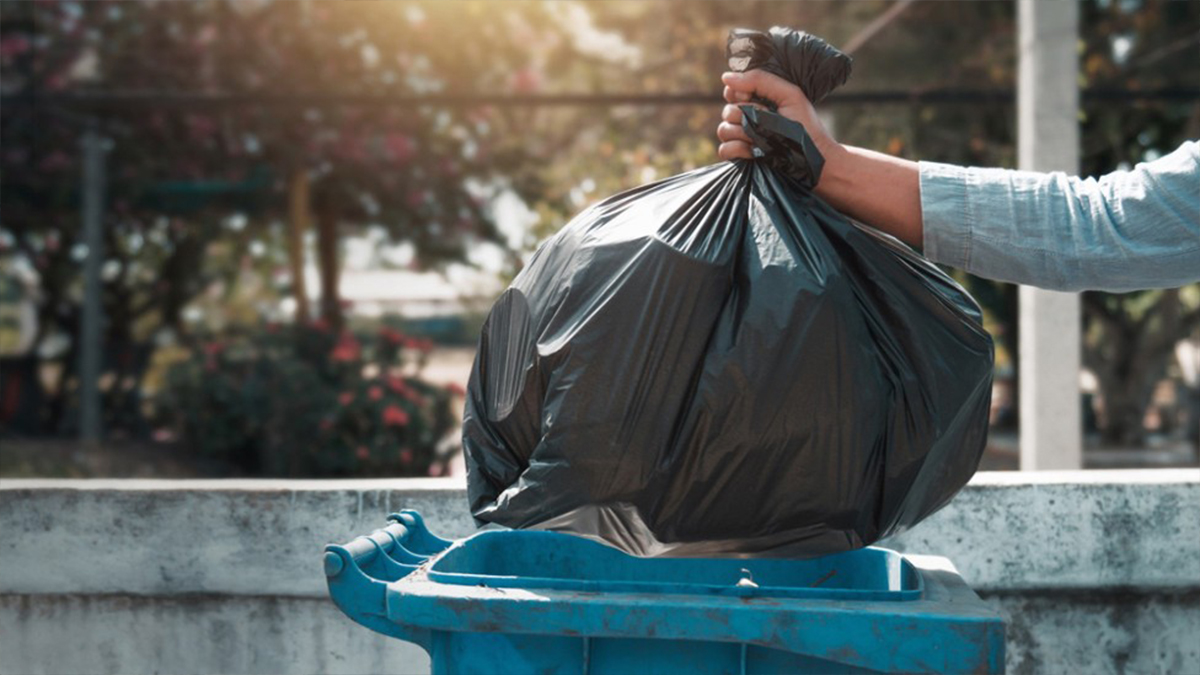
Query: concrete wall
{"type": "Point", "coordinates": [1098, 572]}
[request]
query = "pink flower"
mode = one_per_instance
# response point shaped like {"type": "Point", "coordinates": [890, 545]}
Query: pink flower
{"type": "Point", "coordinates": [211, 351]}
{"type": "Point", "coordinates": [362, 452]}
{"type": "Point", "coordinates": [394, 416]}
{"type": "Point", "coordinates": [424, 345]}
{"type": "Point", "coordinates": [375, 393]}
{"type": "Point", "coordinates": [202, 127]}
{"type": "Point", "coordinates": [346, 350]}
{"type": "Point", "coordinates": [346, 398]}
{"type": "Point", "coordinates": [406, 456]}
{"type": "Point", "coordinates": [525, 81]}
{"type": "Point", "coordinates": [391, 335]}
{"type": "Point", "coordinates": [397, 385]}
{"type": "Point", "coordinates": [455, 389]}
{"type": "Point", "coordinates": [417, 198]}
{"type": "Point", "coordinates": [400, 147]}
{"type": "Point", "coordinates": [13, 46]}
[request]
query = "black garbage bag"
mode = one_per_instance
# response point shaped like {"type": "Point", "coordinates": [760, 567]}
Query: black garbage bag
{"type": "Point", "coordinates": [719, 363]}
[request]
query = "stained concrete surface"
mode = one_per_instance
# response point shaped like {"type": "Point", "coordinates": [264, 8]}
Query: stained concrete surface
{"type": "Point", "coordinates": [196, 633]}
{"type": "Point", "coordinates": [1098, 572]}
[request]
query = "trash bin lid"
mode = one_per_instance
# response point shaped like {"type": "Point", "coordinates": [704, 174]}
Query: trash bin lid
{"type": "Point", "coordinates": [552, 560]}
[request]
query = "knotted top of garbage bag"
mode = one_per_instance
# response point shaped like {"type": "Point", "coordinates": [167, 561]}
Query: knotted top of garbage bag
{"type": "Point", "coordinates": [804, 60]}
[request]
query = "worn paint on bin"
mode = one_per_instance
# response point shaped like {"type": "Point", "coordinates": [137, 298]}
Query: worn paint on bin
{"type": "Point", "coordinates": [544, 602]}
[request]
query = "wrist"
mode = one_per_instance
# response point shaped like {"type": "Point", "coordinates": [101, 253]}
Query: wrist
{"type": "Point", "coordinates": [834, 171]}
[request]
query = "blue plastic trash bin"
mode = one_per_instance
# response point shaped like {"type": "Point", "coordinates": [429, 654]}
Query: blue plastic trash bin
{"type": "Point", "coordinates": [507, 601]}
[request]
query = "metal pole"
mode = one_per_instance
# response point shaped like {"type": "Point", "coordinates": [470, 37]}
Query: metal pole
{"type": "Point", "coordinates": [90, 335]}
{"type": "Point", "coordinates": [1048, 140]}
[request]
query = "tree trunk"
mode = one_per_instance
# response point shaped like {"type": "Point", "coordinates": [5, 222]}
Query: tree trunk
{"type": "Point", "coordinates": [1124, 410]}
{"type": "Point", "coordinates": [298, 222]}
{"type": "Point", "coordinates": [1130, 357]}
{"type": "Point", "coordinates": [327, 260]}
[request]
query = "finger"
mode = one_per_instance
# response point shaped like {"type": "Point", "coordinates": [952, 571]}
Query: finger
{"type": "Point", "coordinates": [733, 113]}
{"type": "Point", "coordinates": [764, 84]}
{"type": "Point", "coordinates": [735, 150]}
{"type": "Point", "coordinates": [732, 132]}
{"type": "Point", "coordinates": [736, 96]}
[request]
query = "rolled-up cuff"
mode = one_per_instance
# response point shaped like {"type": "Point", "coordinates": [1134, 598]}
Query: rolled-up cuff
{"type": "Point", "coordinates": [945, 214]}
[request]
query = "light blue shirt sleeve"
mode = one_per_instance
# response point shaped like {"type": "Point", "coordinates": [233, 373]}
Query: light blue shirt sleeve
{"type": "Point", "coordinates": [1125, 231]}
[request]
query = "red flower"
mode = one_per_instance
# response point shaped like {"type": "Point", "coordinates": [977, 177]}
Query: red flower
{"type": "Point", "coordinates": [397, 385]}
{"type": "Point", "coordinates": [362, 452]}
{"type": "Point", "coordinates": [211, 351]}
{"type": "Point", "coordinates": [326, 424]}
{"type": "Point", "coordinates": [417, 198]}
{"type": "Point", "coordinates": [406, 456]}
{"type": "Point", "coordinates": [375, 393]}
{"type": "Point", "coordinates": [525, 81]}
{"type": "Point", "coordinates": [419, 344]}
{"type": "Point", "coordinates": [346, 398]}
{"type": "Point", "coordinates": [394, 416]}
{"type": "Point", "coordinates": [400, 147]}
{"type": "Point", "coordinates": [391, 335]}
{"type": "Point", "coordinates": [346, 350]}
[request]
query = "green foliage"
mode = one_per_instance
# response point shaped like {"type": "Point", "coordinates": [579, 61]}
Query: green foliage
{"type": "Point", "coordinates": [197, 194]}
{"type": "Point", "coordinates": [303, 401]}
{"type": "Point", "coordinates": [185, 237]}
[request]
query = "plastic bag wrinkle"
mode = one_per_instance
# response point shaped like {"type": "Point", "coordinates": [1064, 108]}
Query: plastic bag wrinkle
{"type": "Point", "coordinates": [719, 363]}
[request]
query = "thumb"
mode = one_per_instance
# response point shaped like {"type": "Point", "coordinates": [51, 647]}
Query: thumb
{"type": "Point", "coordinates": [764, 85]}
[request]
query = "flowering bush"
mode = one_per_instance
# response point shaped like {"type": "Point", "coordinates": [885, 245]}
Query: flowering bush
{"type": "Point", "coordinates": [306, 401]}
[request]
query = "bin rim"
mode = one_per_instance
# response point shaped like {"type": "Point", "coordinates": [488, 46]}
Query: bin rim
{"type": "Point", "coordinates": [909, 583]}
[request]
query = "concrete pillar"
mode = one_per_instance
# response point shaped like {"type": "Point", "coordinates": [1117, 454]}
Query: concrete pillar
{"type": "Point", "coordinates": [91, 334]}
{"type": "Point", "coordinates": [1048, 140]}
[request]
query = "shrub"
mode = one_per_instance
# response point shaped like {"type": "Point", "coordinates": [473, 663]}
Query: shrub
{"type": "Point", "coordinates": [306, 401]}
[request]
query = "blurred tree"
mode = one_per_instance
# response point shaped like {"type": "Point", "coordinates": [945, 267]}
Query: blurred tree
{"type": "Point", "coordinates": [1145, 44]}
{"type": "Point", "coordinates": [1129, 339]}
{"type": "Point", "coordinates": [189, 178]}
{"type": "Point", "coordinates": [182, 173]}
{"type": "Point", "coordinates": [1130, 342]}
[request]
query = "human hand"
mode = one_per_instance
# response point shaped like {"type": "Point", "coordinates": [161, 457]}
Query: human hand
{"type": "Point", "coordinates": [789, 101]}
{"type": "Point", "coordinates": [868, 186]}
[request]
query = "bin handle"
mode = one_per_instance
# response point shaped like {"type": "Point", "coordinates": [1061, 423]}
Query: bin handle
{"type": "Point", "coordinates": [358, 574]}
{"type": "Point", "coordinates": [417, 537]}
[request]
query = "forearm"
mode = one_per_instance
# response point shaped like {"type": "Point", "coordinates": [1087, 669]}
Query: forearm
{"type": "Point", "coordinates": [1125, 231]}
{"type": "Point", "coordinates": [877, 189]}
